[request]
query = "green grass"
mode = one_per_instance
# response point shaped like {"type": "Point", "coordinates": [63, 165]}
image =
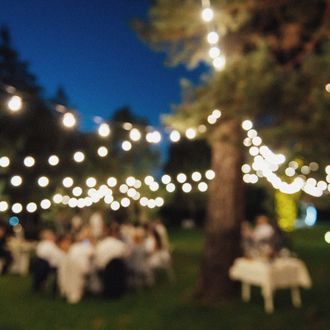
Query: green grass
{"type": "Point", "coordinates": [170, 305]}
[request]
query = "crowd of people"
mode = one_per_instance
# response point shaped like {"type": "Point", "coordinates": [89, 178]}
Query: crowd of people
{"type": "Point", "coordinates": [108, 261]}
{"type": "Point", "coordinates": [264, 240]}
{"type": "Point", "coordinates": [121, 257]}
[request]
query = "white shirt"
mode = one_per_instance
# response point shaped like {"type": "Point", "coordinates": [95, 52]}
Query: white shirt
{"type": "Point", "coordinates": [108, 249]}
{"type": "Point", "coordinates": [50, 252]}
{"type": "Point", "coordinates": [82, 253]}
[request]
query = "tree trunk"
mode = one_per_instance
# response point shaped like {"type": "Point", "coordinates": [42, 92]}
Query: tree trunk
{"type": "Point", "coordinates": [225, 212]}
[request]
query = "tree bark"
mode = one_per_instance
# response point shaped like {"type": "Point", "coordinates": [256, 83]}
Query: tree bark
{"type": "Point", "coordinates": [226, 208]}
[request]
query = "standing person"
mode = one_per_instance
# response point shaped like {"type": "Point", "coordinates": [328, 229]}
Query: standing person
{"type": "Point", "coordinates": [96, 224]}
{"type": "Point", "coordinates": [5, 255]}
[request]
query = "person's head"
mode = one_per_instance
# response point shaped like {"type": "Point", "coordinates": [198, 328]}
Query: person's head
{"type": "Point", "coordinates": [262, 219]}
{"type": "Point", "coordinates": [139, 235]}
{"type": "Point", "coordinates": [47, 235]}
{"type": "Point", "coordinates": [84, 234]}
{"type": "Point", "coordinates": [64, 242]}
{"type": "Point", "coordinates": [114, 230]}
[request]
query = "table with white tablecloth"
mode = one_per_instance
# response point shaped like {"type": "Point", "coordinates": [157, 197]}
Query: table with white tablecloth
{"type": "Point", "coordinates": [270, 275]}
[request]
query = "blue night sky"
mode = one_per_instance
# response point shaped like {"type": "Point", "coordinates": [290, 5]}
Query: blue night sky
{"type": "Point", "coordinates": [88, 48]}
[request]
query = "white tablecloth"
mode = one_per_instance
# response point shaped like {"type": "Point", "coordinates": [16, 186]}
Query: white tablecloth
{"type": "Point", "coordinates": [279, 273]}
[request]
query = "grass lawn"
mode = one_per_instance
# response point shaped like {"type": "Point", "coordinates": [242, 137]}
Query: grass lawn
{"type": "Point", "coordinates": [170, 305]}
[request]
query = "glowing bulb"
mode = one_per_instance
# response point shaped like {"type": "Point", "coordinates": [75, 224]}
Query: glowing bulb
{"type": "Point", "coordinates": [17, 208]}
{"type": "Point", "coordinates": [102, 151]}
{"type": "Point", "coordinates": [219, 63]}
{"type": "Point", "coordinates": [148, 180]}
{"type": "Point", "coordinates": [202, 186]}
{"type": "Point", "coordinates": [104, 130]}
{"type": "Point", "coordinates": [214, 52]}
{"type": "Point", "coordinates": [123, 188]}
{"type": "Point", "coordinates": [153, 137]}
{"type": "Point", "coordinates": [186, 187]}
{"type": "Point", "coordinates": [246, 168]}
{"type": "Point", "coordinates": [135, 134]}
{"type": "Point", "coordinates": [175, 136]}
{"type": "Point", "coordinates": [212, 38]}
{"type": "Point", "coordinates": [196, 176]}
{"type": "Point", "coordinates": [327, 237]}
{"type": "Point", "coordinates": [112, 182]}
{"type": "Point", "coordinates": [67, 182]}
{"type": "Point", "coordinates": [45, 204]}
{"type": "Point", "coordinates": [327, 87]}
{"type": "Point", "coordinates": [43, 181]}
{"type": "Point", "coordinates": [126, 145]}
{"type": "Point", "coordinates": [29, 161]}
{"type": "Point", "coordinates": [181, 177]}
{"type": "Point", "coordinates": [4, 161]}
{"type": "Point", "coordinates": [57, 198]}
{"type": "Point", "coordinates": [78, 156]}
{"type": "Point", "coordinates": [115, 206]}
{"type": "Point", "coordinates": [207, 14]}
{"type": "Point", "coordinates": [159, 201]}
{"type": "Point", "coordinates": [190, 133]}
{"type": "Point", "coordinates": [247, 125]}
{"type": "Point", "coordinates": [154, 186]}
{"type": "Point", "coordinates": [53, 160]}
{"type": "Point", "coordinates": [166, 179]}
{"type": "Point", "coordinates": [77, 191]}
{"type": "Point", "coordinates": [31, 207]}
{"type": "Point", "coordinates": [3, 206]}
{"type": "Point", "coordinates": [125, 202]}
{"type": "Point", "coordinates": [69, 120]}
{"type": "Point", "coordinates": [130, 181]}
{"type": "Point", "coordinates": [290, 171]}
{"type": "Point", "coordinates": [90, 182]}
{"type": "Point", "coordinates": [211, 119]}
{"type": "Point", "coordinates": [16, 180]}
{"type": "Point", "coordinates": [15, 103]}
{"type": "Point", "coordinates": [170, 187]}
{"type": "Point", "coordinates": [210, 174]}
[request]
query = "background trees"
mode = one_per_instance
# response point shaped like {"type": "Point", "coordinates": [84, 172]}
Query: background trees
{"type": "Point", "coordinates": [277, 55]}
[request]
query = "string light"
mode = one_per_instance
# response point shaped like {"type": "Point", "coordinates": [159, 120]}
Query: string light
{"type": "Point", "coordinates": [53, 160]}
{"type": "Point", "coordinates": [102, 151]}
{"type": "Point", "coordinates": [29, 161]}
{"type": "Point", "coordinates": [69, 120]}
{"type": "Point", "coordinates": [4, 161]}
{"type": "Point", "coordinates": [78, 156]}
{"type": "Point", "coordinates": [104, 130]}
{"type": "Point", "coordinates": [16, 180]}
{"type": "Point", "coordinates": [126, 145]}
{"type": "Point", "coordinates": [175, 136]}
{"type": "Point", "coordinates": [43, 181]}
{"type": "Point", "coordinates": [15, 103]}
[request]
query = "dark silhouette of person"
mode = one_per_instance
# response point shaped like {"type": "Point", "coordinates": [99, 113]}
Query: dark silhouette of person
{"type": "Point", "coordinates": [5, 255]}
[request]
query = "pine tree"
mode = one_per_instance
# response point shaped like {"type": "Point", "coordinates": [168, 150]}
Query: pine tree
{"type": "Point", "coordinates": [278, 62]}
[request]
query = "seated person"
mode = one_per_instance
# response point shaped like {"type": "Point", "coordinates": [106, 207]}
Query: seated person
{"type": "Point", "coordinates": [76, 266]}
{"type": "Point", "coordinates": [49, 256]}
{"type": "Point", "coordinates": [140, 271]}
{"type": "Point", "coordinates": [5, 255]}
{"type": "Point", "coordinates": [110, 253]}
{"type": "Point", "coordinates": [263, 235]}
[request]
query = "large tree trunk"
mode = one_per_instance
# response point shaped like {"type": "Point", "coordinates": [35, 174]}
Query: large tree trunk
{"type": "Point", "coordinates": [225, 212]}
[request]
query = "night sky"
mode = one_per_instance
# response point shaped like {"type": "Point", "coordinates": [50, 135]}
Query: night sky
{"type": "Point", "coordinates": [88, 47]}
